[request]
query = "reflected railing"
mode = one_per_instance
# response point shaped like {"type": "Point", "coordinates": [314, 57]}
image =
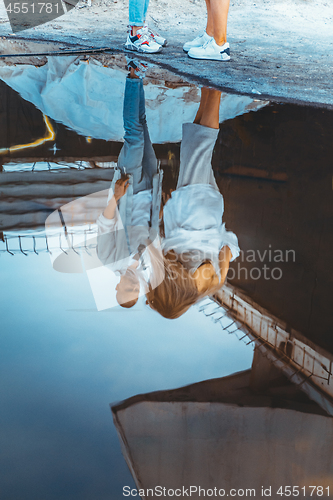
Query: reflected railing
{"type": "Point", "coordinates": [36, 243]}
{"type": "Point", "coordinates": [47, 166]}
{"type": "Point", "coordinates": [305, 364]}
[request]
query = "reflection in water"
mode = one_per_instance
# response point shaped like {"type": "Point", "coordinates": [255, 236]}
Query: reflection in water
{"type": "Point", "coordinates": [196, 246]}
{"type": "Point", "coordinates": [128, 234]}
{"type": "Point", "coordinates": [232, 436]}
{"type": "Point", "coordinates": [162, 242]}
{"type": "Point", "coordinates": [302, 361]}
{"type": "Point", "coordinates": [236, 441]}
{"type": "Point", "coordinates": [86, 95]}
{"type": "Point", "coordinates": [49, 136]}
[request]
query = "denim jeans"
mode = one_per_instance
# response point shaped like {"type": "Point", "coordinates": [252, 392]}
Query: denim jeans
{"type": "Point", "coordinates": [137, 156]}
{"type": "Point", "coordinates": [137, 12]}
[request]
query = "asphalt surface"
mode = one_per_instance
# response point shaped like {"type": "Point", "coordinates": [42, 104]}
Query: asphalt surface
{"type": "Point", "coordinates": [295, 74]}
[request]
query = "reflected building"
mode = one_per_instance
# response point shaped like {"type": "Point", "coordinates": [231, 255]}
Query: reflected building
{"type": "Point", "coordinates": [248, 434]}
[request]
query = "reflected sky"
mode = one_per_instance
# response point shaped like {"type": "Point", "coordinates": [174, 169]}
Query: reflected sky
{"type": "Point", "coordinates": [62, 363]}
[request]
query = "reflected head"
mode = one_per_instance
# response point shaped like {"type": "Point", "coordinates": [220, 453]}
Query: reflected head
{"type": "Point", "coordinates": [128, 289]}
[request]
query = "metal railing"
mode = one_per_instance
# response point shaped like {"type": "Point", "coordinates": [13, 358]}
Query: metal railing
{"type": "Point", "coordinates": [37, 243]}
{"type": "Point", "coordinates": [306, 367]}
{"type": "Point", "coordinates": [45, 166]}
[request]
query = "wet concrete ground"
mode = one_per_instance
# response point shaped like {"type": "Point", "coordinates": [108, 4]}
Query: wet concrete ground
{"type": "Point", "coordinates": [293, 80]}
{"type": "Point", "coordinates": [279, 50]}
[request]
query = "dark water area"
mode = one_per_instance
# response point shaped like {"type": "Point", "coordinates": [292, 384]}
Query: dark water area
{"type": "Point", "coordinates": [288, 214]}
{"type": "Point", "coordinates": [231, 390]}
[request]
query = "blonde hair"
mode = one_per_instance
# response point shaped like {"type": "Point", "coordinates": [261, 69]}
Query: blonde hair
{"type": "Point", "coordinates": [177, 292]}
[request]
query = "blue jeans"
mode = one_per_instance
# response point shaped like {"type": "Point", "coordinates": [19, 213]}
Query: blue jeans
{"type": "Point", "coordinates": [137, 156]}
{"type": "Point", "coordinates": [137, 12]}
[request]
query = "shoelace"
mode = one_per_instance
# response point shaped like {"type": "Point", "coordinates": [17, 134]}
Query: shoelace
{"type": "Point", "coordinates": [207, 42]}
{"type": "Point", "coordinates": [145, 37]}
{"type": "Point", "coordinates": [146, 34]}
{"type": "Point", "coordinates": [153, 33]}
{"type": "Point", "coordinates": [200, 36]}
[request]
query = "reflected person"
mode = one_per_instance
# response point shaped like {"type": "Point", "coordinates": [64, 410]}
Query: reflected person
{"type": "Point", "coordinates": [197, 249]}
{"type": "Point", "coordinates": [129, 223]}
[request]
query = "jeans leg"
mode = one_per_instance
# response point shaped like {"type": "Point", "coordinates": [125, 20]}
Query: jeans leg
{"type": "Point", "coordinates": [146, 4]}
{"type": "Point", "coordinates": [131, 154]}
{"type": "Point", "coordinates": [149, 161]}
{"type": "Point", "coordinates": [142, 105]}
{"type": "Point", "coordinates": [137, 9]}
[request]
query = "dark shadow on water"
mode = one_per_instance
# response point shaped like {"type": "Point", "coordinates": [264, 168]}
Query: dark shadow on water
{"type": "Point", "coordinates": [274, 168]}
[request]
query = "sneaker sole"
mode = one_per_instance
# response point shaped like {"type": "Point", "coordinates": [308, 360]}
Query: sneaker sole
{"type": "Point", "coordinates": [210, 58]}
{"type": "Point", "coordinates": [133, 48]}
{"type": "Point", "coordinates": [194, 47]}
{"type": "Point", "coordinates": [164, 44]}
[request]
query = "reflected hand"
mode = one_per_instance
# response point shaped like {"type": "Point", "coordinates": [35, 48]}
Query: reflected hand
{"type": "Point", "coordinates": [121, 187]}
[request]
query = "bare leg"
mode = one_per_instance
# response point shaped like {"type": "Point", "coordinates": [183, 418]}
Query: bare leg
{"type": "Point", "coordinates": [203, 100]}
{"type": "Point", "coordinates": [208, 112]}
{"type": "Point", "coordinates": [132, 74]}
{"type": "Point", "coordinates": [136, 28]}
{"type": "Point", "coordinates": [217, 18]}
{"type": "Point", "coordinates": [210, 24]}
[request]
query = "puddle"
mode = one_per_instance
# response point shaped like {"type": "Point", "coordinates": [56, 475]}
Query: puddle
{"type": "Point", "coordinates": [70, 126]}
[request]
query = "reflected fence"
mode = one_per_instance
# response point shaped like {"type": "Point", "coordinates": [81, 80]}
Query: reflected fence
{"type": "Point", "coordinates": [45, 166]}
{"type": "Point", "coordinates": [305, 364]}
{"type": "Point", "coordinates": [26, 243]}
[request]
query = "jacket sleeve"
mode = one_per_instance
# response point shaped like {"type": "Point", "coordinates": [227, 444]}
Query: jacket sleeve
{"type": "Point", "coordinates": [111, 240]}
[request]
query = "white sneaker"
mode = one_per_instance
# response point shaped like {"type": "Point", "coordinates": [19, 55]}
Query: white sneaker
{"type": "Point", "coordinates": [199, 41]}
{"type": "Point", "coordinates": [211, 51]}
{"type": "Point", "coordinates": [156, 36]}
{"type": "Point", "coordinates": [139, 67]}
{"type": "Point", "coordinates": [142, 42]}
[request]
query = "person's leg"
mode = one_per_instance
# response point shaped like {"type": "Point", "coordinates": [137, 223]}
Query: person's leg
{"type": "Point", "coordinates": [142, 105]}
{"type": "Point", "coordinates": [209, 114]}
{"type": "Point", "coordinates": [217, 18]}
{"type": "Point", "coordinates": [210, 24]}
{"type": "Point", "coordinates": [198, 142]}
{"type": "Point", "coordinates": [131, 154]}
{"type": "Point", "coordinates": [216, 28]}
{"type": "Point", "coordinates": [145, 9]}
{"type": "Point", "coordinates": [215, 47]}
{"type": "Point", "coordinates": [137, 11]}
{"type": "Point", "coordinates": [149, 161]}
{"type": "Point", "coordinates": [203, 99]}
{"type": "Point", "coordinates": [210, 118]}
{"type": "Point", "coordinates": [140, 39]}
